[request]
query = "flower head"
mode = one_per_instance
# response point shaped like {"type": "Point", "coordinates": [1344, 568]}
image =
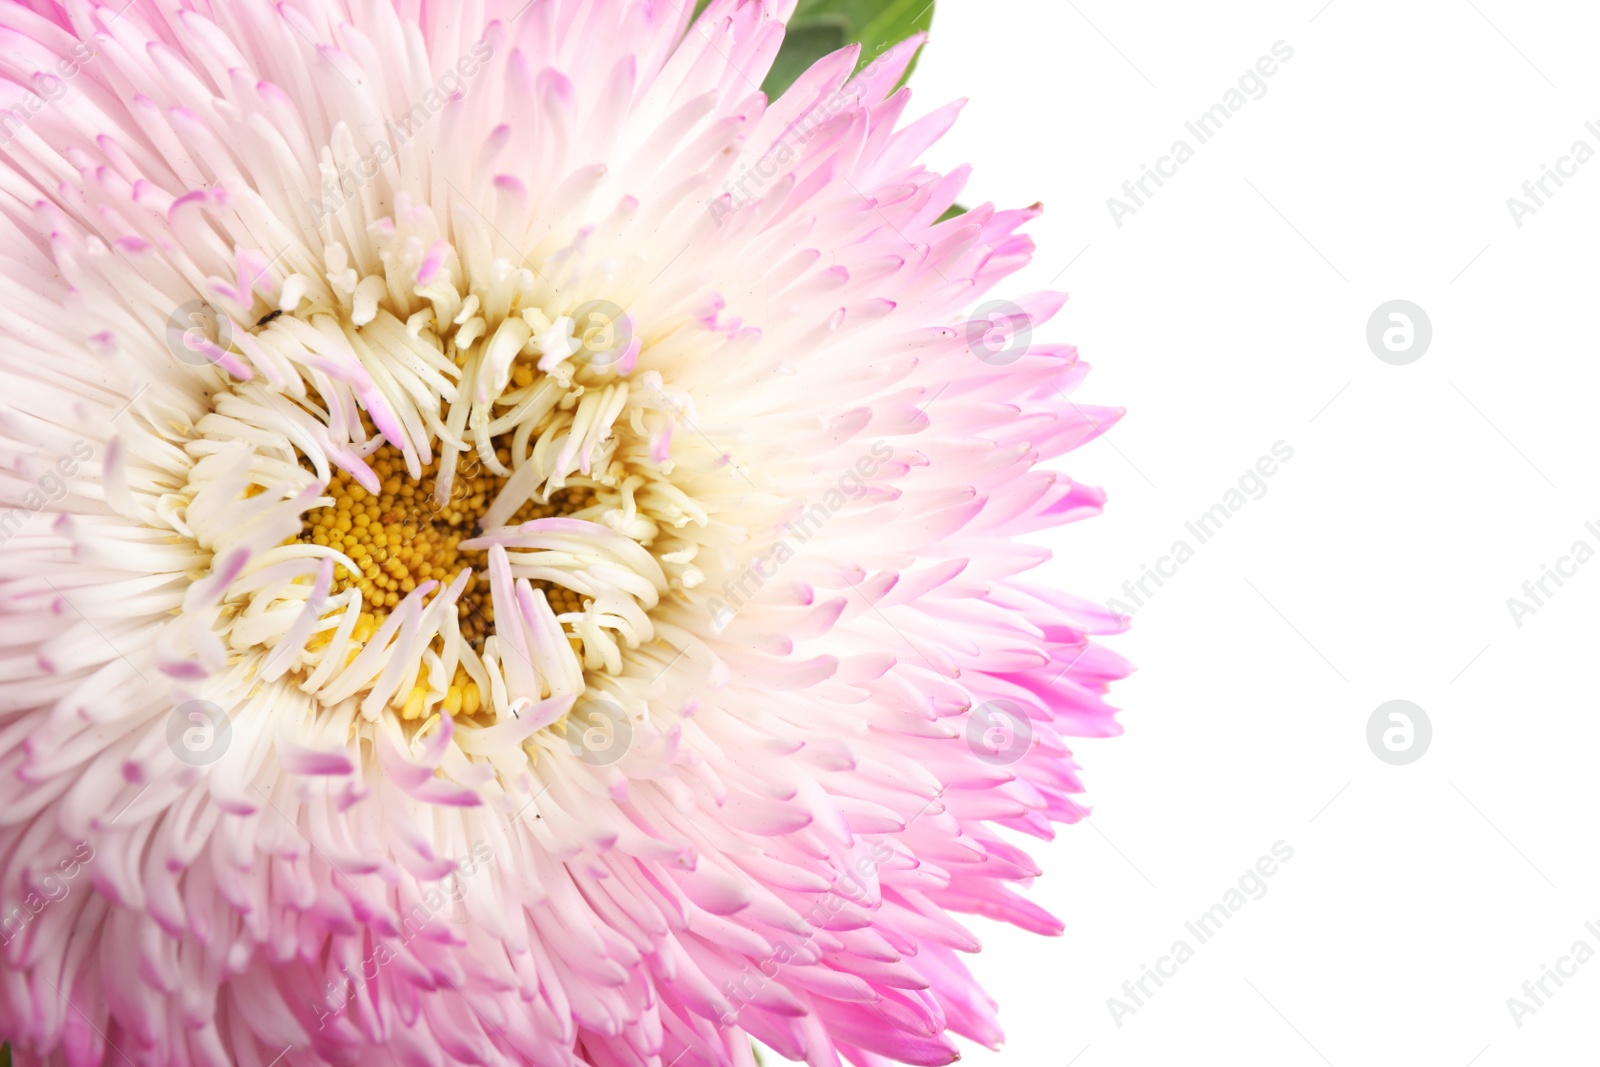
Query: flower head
{"type": "Point", "coordinates": [511, 543]}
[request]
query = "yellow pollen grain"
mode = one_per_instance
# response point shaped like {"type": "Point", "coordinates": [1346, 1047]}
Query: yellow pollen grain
{"type": "Point", "coordinates": [400, 538]}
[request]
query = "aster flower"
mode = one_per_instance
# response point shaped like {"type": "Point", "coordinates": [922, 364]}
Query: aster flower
{"type": "Point", "coordinates": [511, 543]}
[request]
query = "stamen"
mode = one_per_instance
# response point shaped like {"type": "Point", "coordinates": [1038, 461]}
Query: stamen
{"type": "Point", "coordinates": [401, 536]}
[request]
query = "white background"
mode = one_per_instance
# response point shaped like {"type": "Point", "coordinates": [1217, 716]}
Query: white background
{"type": "Point", "coordinates": [1228, 314]}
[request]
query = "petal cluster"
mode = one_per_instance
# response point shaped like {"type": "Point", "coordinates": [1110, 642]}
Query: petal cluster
{"type": "Point", "coordinates": [735, 693]}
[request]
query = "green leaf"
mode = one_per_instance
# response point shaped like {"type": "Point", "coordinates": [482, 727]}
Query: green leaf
{"type": "Point", "coordinates": [951, 212]}
{"type": "Point", "coordinates": [803, 45]}
{"type": "Point", "coordinates": [823, 26]}
{"type": "Point", "coordinates": [893, 23]}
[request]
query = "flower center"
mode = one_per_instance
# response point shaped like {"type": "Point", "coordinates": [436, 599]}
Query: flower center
{"type": "Point", "coordinates": [469, 445]}
{"type": "Point", "coordinates": [403, 536]}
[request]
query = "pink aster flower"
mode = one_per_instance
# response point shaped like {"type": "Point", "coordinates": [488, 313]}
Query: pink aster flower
{"type": "Point", "coordinates": [511, 543]}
